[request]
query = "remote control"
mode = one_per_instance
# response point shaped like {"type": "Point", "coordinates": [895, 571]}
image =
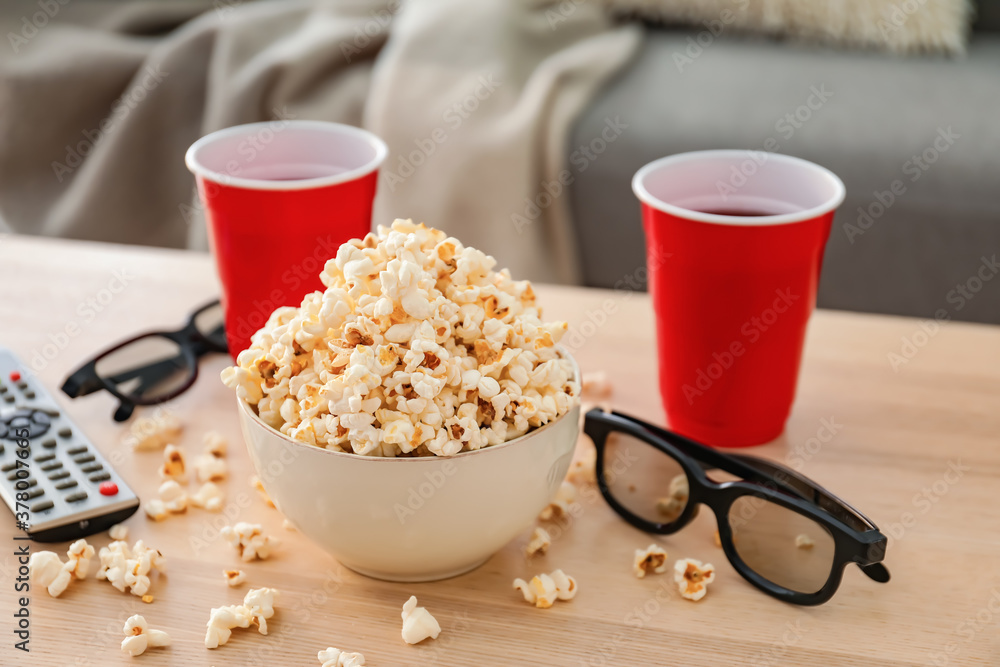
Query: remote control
{"type": "Point", "coordinates": [52, 478]}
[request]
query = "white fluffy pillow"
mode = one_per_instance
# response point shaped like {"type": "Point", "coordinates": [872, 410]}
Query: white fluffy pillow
{"type": "Point", "coordinates": [902, 26]}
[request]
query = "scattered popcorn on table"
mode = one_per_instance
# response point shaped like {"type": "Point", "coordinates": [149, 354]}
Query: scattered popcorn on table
{"type": "Point", "coordinates": [583, 467]}
{"type": "Point", "coordinates": [416, 347]}
{"type": "Point", "coordinates": [148, 599]}
{"type": "Point", "coordinates": [539, 543]}
{"type": "Point", "coordinates": [257, 607]}
{"type": "Point", "coordinates": [222, 620]}
{"type": "Point", "coordinates": [118, 532]}
{"type": "Point", "coordinates": [803, 541]}
{"type": "Point", "coordinates": [173, 464]}
{"type": "Point", "coordinates": [215, 444]}
{"type": "Point", "coordinates": [651, 559]}
{"type": "Point", "coordinates": [234, 577]}
{"type": "Point", "coordinates": [174, 498]}
{"type": "Point", "coordinates": [249, 541]}
{"type": "Point", "coordinates": [139, 636]}
{"type": "Point", "coordinates": [334, 657]}
{"type": "Point", "coordinates": [544, 589]}
{"type": "Point", "coordinates": [693, 577]}
{"type": "Point", "coordinates": [418, 624]}
{"type": "Point", "coordinates": [130, 568]}
{"type": "Point", "coordinates": [257, 484]}
{"type": "Point", "coordinates": [595, 384]}
{"type": "Point", "coordinates": [717, 539]}
{"type": "Point", "coordinates": [260, 605]}
{"type": "Point", "coordinates": [47, 570]}
{"type": "Point", "coordinates": [559, 506]}
{"type": "Point", "coordinates": [673, 505]}
{"type": "Point", "coordinates": [155, 509]}
{"type": "Point", "coordinates": [209, 497]}
{"type": "Point", "coordinates": [153, 432]}
{"type": "Point", "coordinates": [210, 468]}
{"type": "Point", "coordinates": [79, 556]}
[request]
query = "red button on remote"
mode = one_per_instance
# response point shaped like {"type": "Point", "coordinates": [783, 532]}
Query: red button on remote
{"type": "Point", "coordinates": [108, 488]}
{"type": "Point", "coordinates": [14, 376]}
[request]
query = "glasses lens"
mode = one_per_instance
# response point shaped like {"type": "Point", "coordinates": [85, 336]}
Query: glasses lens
{"type": "Point", "coordinates": [209, 323]}
{"type": "Point", "coordinates": [781, 545]}
{"type": "Point", "coordinates": [644, 480]}
{"type": "Point", "coordinates": [148, 369]}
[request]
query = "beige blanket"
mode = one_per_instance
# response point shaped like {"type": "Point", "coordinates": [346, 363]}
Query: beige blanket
{"type": "Point", "coordinates": [98, 102]}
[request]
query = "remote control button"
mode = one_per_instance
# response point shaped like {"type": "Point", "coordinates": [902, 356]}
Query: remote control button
{"type": "Point", "coordinates": [86, 458]}
{"type": "Point", "coordinates": [9, 398]}
{"type": "Point", "coordinates": [34, 493]}
{"type": "Point", "coordinates": [14, 475]}
{"type": "Point", "coordinates": [22, 385]}
{"type": "Point", "coordinates": [19, 422]}
{"type": "Point", "coordinates": [42, 506]}
{"type": "Point", "coordinates": [61, 474]}
{"type": "Point", "coordinates": [99, 477]}
{"type": "Point", "coordinates": [7, 467]}
{"type": "Point", "coordinates": [1, 448]}
{"type": "Point", "coordinates": [65, 432]}
{"type": "Point", "coordinates": [54, 465]}
{"type": "Point", "coordinates": [29, 395]}
{"type": "Point", "coordinates": [20, 412]}
{"type": "Point", "coordinates": [48, 411]}
{"type": "Point", "coordinates": [3, 430]}
{"type": "Point", "coordinates": [108, 489]}
{"type": "Point", "coordinates": [14, 376]}
{"type": "Point", "coordinates": [27, 484]}
{"type": "Point", "coordinates": [76, 497]}
{"type": "Point", "coordinates": [92, 467]}
{"type": "Point", "coordinates": [41, 418]}
{"type": "Point", "coordinates": [50, 443]}
{"type": "Point", "coordinates": [42, 458]}
{"type": "Point", "coordinates": [3, 389]}
{"type": "Point", "coordinates": [76, 450]}
{"type": "Point", "coordinates": [68, 484]}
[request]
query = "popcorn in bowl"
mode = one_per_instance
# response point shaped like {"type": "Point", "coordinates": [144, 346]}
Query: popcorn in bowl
{"type": "Point", "coordinates": [417, 347]}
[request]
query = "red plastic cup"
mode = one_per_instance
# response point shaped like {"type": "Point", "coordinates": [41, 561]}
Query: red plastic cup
{"type": "Point", "coordinates": [280, 198]}
{"type": "Point", "coordinates": [734, 248]}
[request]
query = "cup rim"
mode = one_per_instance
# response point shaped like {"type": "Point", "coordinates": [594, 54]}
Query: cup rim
{"type": "Point", "coordinates": [647, 198]}
{"type": "Point", "coordinates": [252, 414]}
{"type": "Point", "coordinates": [199, 169]}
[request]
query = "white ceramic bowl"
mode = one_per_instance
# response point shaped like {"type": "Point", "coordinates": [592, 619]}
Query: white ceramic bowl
{"type": "Point", "coordinates": [412, 519]}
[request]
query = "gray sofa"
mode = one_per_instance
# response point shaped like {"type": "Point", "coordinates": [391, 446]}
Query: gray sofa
{"type": "Point", "coordinates": [881, 111]}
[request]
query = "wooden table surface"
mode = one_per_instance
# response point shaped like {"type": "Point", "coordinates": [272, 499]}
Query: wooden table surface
{"type": "Point", "coordinates": [896, 434]}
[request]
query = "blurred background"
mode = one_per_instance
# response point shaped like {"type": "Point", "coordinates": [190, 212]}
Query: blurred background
{"type": "Point", "coordinates": [517, 125]}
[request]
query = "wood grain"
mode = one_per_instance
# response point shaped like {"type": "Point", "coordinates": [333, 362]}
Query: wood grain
{"type": "Point", "coordinates": [896, 434]}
